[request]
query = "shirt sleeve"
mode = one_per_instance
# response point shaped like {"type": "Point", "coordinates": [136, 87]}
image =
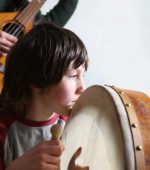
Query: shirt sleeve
{"type": "Point", "coordinates": [60, 14]}
{"type": "Point", "coordinates": [20, 4]}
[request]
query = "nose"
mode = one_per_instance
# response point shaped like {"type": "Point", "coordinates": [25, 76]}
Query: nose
{"type": "Point", "coordinates": [81, 87]}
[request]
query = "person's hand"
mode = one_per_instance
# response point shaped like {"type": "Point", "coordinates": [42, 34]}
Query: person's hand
{"type": "Point", "coordinates": [44, 156]}
{"type": "Point", "coordinates": [72, 165]}
{"type": "Point", "coordinates": [6, 42]}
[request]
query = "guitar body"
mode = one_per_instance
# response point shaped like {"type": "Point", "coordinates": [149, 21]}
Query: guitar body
{"type": "Point", "coordinates": [6, 18]}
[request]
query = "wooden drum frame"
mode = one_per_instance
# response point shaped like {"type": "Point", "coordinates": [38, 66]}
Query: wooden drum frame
{"type": "Point", "coordinates": [108, 129]}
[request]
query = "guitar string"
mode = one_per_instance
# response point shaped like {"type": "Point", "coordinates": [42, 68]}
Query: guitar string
{"type": "Point", "coordinates": [24, 13]}
{"type": "Point", "coordinates": [29, 17]}
{"type": "Point", "coordinates": [12, 27]}
{"type": "Point", "coordinates": [25, 21]}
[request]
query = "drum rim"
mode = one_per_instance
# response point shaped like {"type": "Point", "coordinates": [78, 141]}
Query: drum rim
{"type": "Point", "coordinates": [134, 127]}
{"type": "Point", "coordinates": [133, 159]}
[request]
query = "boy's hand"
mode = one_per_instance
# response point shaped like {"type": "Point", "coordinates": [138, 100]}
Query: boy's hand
{"type": "Point", "coordinates": [44, 156]}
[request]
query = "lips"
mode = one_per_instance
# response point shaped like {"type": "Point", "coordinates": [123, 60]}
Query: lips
{"type": "Point", "coordinates": [75, 100]}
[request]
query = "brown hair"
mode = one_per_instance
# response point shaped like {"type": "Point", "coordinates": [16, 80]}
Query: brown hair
{"type": "Point", "coordinates": [40, 58]}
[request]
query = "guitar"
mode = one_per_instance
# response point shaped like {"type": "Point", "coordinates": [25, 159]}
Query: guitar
{"type": "Point", "coordinates": [18, 24]}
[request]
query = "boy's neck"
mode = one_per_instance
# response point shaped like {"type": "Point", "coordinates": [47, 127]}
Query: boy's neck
{"type": "Point", "coordinates": [39, 117]}
{"type": "Point", "coordinates": [37, 111]}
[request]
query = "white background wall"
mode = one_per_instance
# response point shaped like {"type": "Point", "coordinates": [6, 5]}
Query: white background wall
{"type": "Point", "coordinates": [117, 36]}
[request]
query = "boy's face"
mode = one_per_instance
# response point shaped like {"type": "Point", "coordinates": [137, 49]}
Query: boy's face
{"type": "Point", "coordinates": [61, 97]}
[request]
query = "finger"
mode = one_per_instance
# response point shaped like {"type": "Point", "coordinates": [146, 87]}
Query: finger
{"type": "Point", "coordinates": [74, 157]}
{"type": "Point", "coordinates": [50, 159]}
{"type": "Point", "coordinates": [48, 166]}
{"type": "Point", "coordinates": [9, 37]}
{"type": "Point", "coordinates": [49, 147]}
{"type": "Point", "coordinates": [55, 143]}
{"type": "Point", "coordinates": [6, 42]}
{"type": "Point", "coordinates": [72, 164]}
{"type": "Point", "coordinates": [4, 49]}
{"type": "Point", "coordinates": [2, 54]}
{"type": "Point", "coordinates": [55, 150]}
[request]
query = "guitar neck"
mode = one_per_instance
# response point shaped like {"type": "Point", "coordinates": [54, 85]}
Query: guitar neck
{"type": "Point", "coordinates": [29, 12]}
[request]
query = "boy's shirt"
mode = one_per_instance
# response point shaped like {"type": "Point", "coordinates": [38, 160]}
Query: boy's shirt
{"type": "Point", "coordinates": [18, 134]}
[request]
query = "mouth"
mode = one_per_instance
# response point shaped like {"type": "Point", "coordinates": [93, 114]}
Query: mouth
{"type": "Point", "coordinates": [74, 101]}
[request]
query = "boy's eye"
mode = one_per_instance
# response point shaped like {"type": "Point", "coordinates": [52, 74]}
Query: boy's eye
{"type": "Point", "coordinates": [74, 76]}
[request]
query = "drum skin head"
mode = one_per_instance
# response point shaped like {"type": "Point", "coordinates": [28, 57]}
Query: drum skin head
{"type": "Point", "coordinates": [94, 137]}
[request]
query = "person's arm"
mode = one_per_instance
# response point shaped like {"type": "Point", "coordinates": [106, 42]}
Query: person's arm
{"type": "Point", "coordinates": [44, 156]}
{"type": "Point", "coordinates": [61, 13]}
{"type": "Point", "coordinates": [12, 6]}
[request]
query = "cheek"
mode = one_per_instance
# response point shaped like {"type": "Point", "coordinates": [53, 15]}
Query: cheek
{"type": "Point", "coordinates": [65, 93]}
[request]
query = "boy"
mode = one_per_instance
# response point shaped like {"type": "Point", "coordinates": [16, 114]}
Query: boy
{"type": "Point", "coordinates": [43, 76]}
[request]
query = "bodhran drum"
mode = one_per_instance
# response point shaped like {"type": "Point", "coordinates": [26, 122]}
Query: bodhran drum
{"type": "Point", "coordinates": [108, 129]}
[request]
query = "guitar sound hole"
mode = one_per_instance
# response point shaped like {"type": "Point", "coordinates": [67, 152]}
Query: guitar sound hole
{"type": "Point", "coordinates": [13, 29]}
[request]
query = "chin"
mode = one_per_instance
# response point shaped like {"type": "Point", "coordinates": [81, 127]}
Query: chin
{"type": "Point", "coordinates": [65, 111]}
